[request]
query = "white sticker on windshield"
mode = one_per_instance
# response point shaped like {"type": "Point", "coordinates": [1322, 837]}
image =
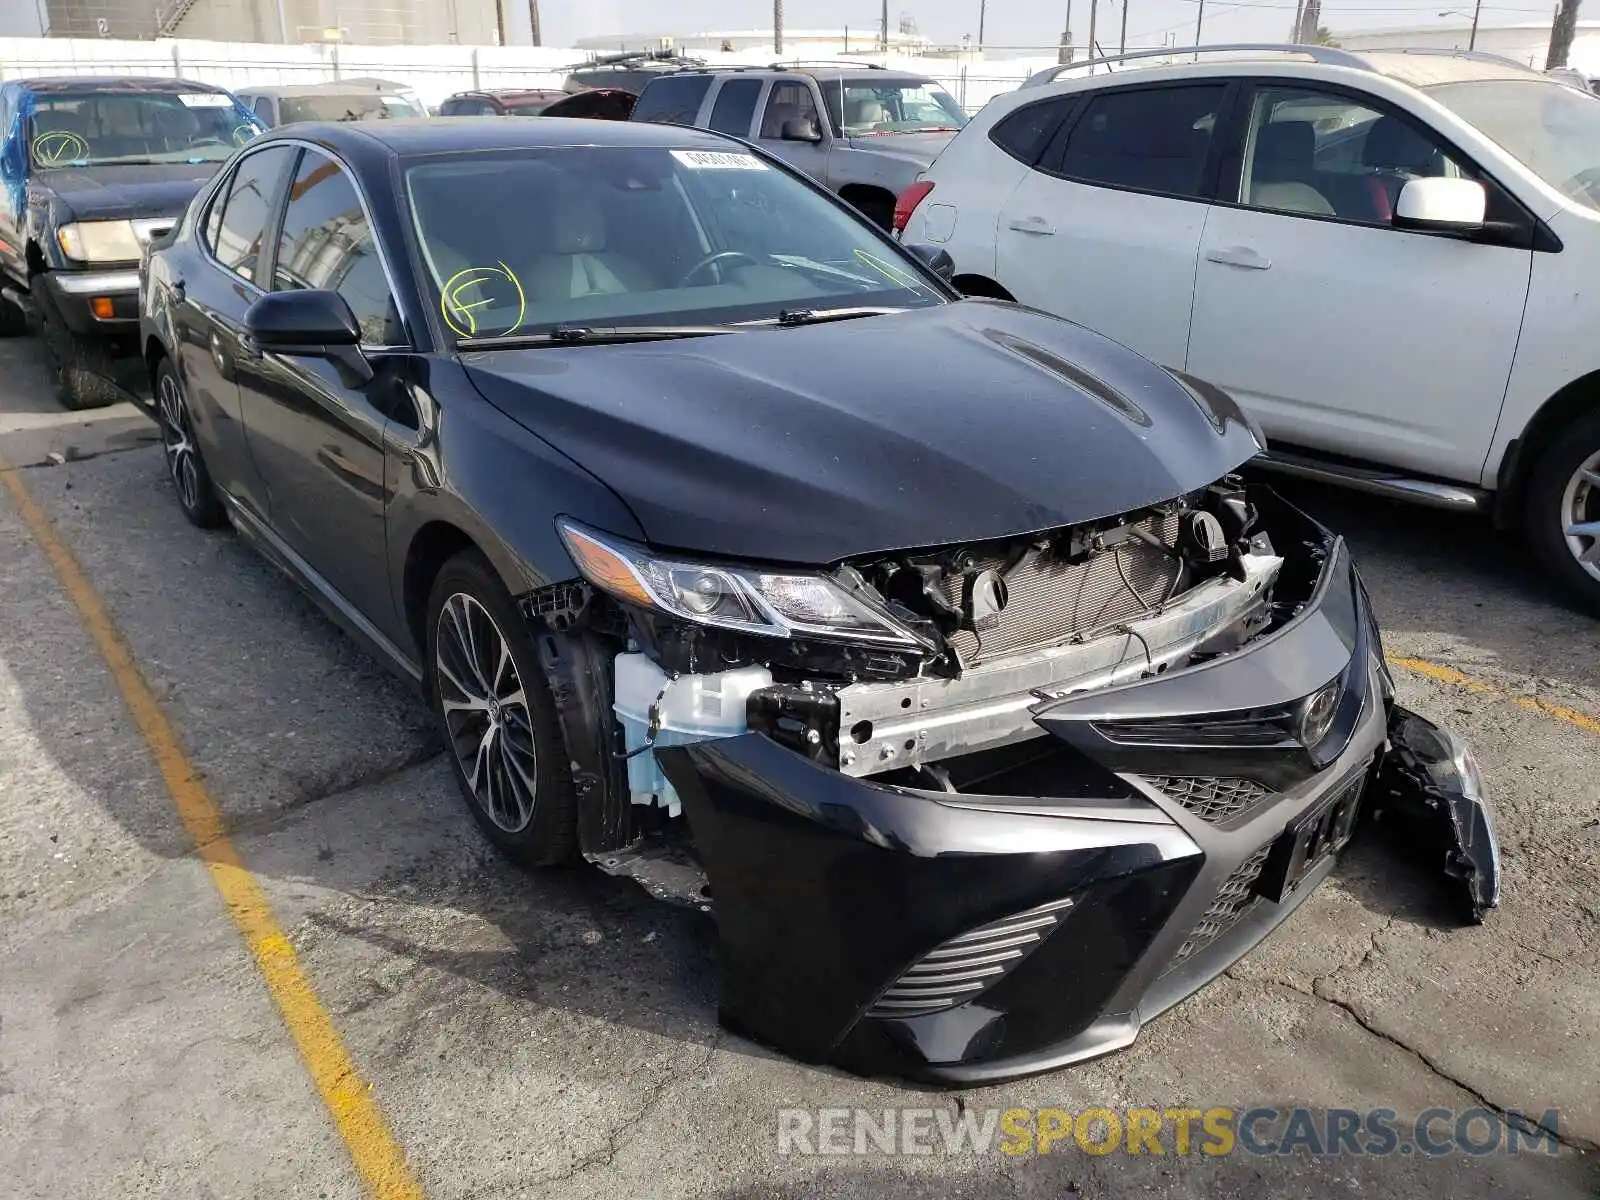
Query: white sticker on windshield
{"type": "Point", "coordinates": [718, 160]}
{"type": "Point", "coordinates": [205, 99]}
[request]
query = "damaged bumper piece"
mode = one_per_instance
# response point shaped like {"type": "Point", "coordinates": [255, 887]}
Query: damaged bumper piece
{"type": "Point", "coordinates": [1032, 901]}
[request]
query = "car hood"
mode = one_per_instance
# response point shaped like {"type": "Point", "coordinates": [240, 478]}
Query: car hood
{"type": "Point", "coordinates": [114, 192]}
{"type": "Point", "coordinates": [956, 423]}
{"type": "Point", "coordinates": [921, 148]}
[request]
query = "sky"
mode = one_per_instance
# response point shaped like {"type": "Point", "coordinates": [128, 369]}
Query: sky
{"type": "Point", "coordinates": [1016, 22]}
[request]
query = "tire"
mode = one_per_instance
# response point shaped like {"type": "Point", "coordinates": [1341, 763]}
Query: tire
{"type": "Point", "coordinates": [1563, 493]}
{"type": "Point", "coordinates": [507, 754]}
{"type": "Point", "coordinates": [877, 209]}
{"type": "Point", "coordinates": [13, 321]}
{"type": "Point", "coordinates": [197, 495]}
{"type": "Point", "coordinates": [80, 367]}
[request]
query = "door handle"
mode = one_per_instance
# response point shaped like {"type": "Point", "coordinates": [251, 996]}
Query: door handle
{"type": "Point", "coordinates": [1239, 256]}
{"type": "Point", "coordinates": [1036, 225]}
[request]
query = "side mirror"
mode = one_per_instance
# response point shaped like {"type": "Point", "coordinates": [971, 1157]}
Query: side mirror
{"type": "Point", "coordinates": [936, 258]}
{"type": "Point", "coordinates": [1448, 205]}
{"type": "Point", "coordinates": [303, 321]}
{"type": "Point", "coordinates": [800, 129]}
{"type": "Point", "coordinates": [313, 323]}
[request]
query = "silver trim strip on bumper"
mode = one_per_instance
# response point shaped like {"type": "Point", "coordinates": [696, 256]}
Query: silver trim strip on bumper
{"type": "Point", "coordinates": [101, 283]}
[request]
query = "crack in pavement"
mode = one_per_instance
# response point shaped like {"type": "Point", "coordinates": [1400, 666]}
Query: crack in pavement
{"type": "Point", "coordinates": [73, 459]}
{"type": "Point", "coordinates": [1522, 1120]}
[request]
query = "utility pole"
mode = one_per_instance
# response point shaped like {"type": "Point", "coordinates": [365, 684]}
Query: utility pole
{"type": "Point", "coordinates": [533, 22]}
{"type": "Point", "coordinates": [1122, 41]}
{"type": "Point", "coordinates": [1094, 7]}
{"type": "Point", "coordinates": [1298, 28]}
{"type": "Point", "coordinates": [1199, 20]}
{"type": "Point", "coordinates": [1472, 38]}
{"type": "Point", "coordinates": [1562, 31]}
{"type": "Point", "coordinates": [884, 27]}
{"type": "Point", "coordinates": [777, 26]}
{"type": "Point", "coordinates": [1070, 53]}
{"type": "Point", "coordinates": [983, 9]}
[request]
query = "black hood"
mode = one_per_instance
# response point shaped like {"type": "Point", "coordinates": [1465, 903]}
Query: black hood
{"type": "Point", "coordinates": [958, 423]}
{"type": "Point", "coordinates": [116, 192]}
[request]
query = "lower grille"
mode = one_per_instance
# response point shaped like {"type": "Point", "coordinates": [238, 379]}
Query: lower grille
{"type": "Point", "coordinates": [955, 971]}
{"type": "Point", "coordinates": [1232, 902]}
{"type": "Point", "coordinates": [1051, 600]}
{"type": "Point", "coordinates": [1215, 800]}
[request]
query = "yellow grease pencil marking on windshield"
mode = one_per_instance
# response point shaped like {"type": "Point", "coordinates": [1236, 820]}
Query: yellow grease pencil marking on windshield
{"type": "Point", "coordinates": [451, 301]}
{"type": "Point", "coordinates": [377, 1155]}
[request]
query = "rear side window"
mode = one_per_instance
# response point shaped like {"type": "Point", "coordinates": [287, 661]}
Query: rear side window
{"type": "Point", "coordinates": [1153, 139]}
{"type": "Point", "coordinates": [735, 107]}
{"type": "Point", "coordinates": [1025, 133]}
{"type": "Point", "coordinates": [245, 213]}
{"type": "Point", "coordinates": [673, 100]}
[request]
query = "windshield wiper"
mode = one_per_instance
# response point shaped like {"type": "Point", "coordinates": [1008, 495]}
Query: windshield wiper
{"type": "Point", "coordinates": [816, 316]}
{"type": "Point", "coordinates": [588, 335]}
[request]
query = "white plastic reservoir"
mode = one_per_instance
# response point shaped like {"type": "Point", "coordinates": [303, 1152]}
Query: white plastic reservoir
{"type": "Point", "coordinates": [693, 708]}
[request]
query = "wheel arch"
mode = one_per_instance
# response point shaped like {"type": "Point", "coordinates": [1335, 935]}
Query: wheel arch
{"type": "Point", "coordinates": [868, 196]}
{"type": "Point", "coordinates": [435, 543]}
{"type": "Point", "coordinates": [1577, 397]}
{"type": "Point", "coordinates": [154, 352]}
{"type": "Point", "coordinates": [980, 285]}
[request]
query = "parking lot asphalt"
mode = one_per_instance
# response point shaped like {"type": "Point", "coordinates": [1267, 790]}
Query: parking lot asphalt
{"type": "Point", "coordinates": [555, 1034]}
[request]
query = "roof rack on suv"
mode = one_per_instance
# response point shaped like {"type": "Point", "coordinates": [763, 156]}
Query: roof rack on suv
{"type": "Point", "coordinates": [795, 64]}
{"type": "Point", "coordinates": [1484, 56]}
{"type": "Point", "coordinates": [1329, 55]}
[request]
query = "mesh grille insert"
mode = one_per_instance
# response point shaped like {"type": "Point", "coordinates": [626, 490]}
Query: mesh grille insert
{"type": "Point", "coordinates": [1231, 903]}
{"type": "Point", "coordinates": [955, 971]}
{"type": "Point", "coordinates": [1212, 799]}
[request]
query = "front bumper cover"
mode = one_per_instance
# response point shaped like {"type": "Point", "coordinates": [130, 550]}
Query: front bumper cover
{"type": "Point", "coordinates": [71, 293]}
{"type": "Point", "coordinates": [1053, 926]}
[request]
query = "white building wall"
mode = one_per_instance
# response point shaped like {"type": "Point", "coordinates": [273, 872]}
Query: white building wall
{"type": "Point", "coordinates": [1526, 43]}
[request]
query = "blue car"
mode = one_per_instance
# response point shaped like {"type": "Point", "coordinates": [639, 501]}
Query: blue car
{"type": "Point", "coordinates": [91, 171]}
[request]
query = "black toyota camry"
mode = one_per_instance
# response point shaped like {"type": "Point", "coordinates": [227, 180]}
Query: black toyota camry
{"type": "Point", "coordinates": [937, 647]}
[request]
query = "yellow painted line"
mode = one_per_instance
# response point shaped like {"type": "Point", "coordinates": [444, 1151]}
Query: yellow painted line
{"type": "Point", "coordinates": [378, 1157]}
{"type": "Point", "coordinates": [1572, 716]}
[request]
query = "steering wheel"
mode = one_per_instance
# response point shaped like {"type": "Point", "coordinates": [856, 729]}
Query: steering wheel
{"type": "Point", "coordinates": [1585, 185]}
{"type": "Point", "coordinates": [717, 259]}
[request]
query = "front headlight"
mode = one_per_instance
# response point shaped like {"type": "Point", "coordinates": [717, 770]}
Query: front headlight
{"type": "Point", "coordinates": [99, 241]}
{"type": "Point", "coordinates": [749, 599]}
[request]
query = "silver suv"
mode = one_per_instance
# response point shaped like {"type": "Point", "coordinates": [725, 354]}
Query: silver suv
{"type": "Point", "coordinates": [861, 130]}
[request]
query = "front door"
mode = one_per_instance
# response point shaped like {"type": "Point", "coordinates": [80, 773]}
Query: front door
{"type": "Point", "coordinates": [316, 430]}
{"type": "Point", "coordinates": [1105, 229]}
{"type": "Point", "coordinates": [1336, 330]}
{"type": "Point", "coordinates": [793, 100]}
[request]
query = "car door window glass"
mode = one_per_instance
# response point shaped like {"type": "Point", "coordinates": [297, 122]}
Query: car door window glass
{"type": "Point", "coordinates": [672, 100]}
{"type": "Point", "coordinates": [1153, 139]}
{"type": "Point", "coordinates": [735, 107]}
{"type": "Point", "coordinates": [1024, 133]}
{"type": "Point", "coordinates": [327, 242]}
{"type": "Point", "coordinates": [1324, 154]}
{"type": "Point", "coordinates": [790, 100]}
{"type": "Point", "coordinates": [245, 213]}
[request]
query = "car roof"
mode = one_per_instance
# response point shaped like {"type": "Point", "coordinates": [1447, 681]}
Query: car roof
{"type": "Point", "coordinates": [856, 72]}
{"type": "Point", "coordinates": [115, 83]}
{"type": "Point", "coordinates": [510, 93]}
{"type": "Point", "coordinates": [407, 136]}
{"type": "Point", "coordinates": [342, 87]}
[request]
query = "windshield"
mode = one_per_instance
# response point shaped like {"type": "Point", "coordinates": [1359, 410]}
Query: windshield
{"type": "Point", "coordinates": [908, 107]}
{"type": "Point", "coordinates": [523, 242]}
{"type": "Point", "coordinates": [356, 106]}
{"type": "Point", "coordinates": [93, 128]}
{"type": "Point", "coordinates": [1552, 129]}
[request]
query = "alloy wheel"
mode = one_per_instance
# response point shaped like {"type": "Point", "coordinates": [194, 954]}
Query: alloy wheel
{"type": "Point", "coordinates": [1580, 514]}
{"type": "Point", "coordinates": [485, 712]}
{"type": "Point", "coordinates": [178, 443]}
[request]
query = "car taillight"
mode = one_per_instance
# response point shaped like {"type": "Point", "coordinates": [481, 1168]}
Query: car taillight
{"type": "Point", "coordinates": [908, 201]}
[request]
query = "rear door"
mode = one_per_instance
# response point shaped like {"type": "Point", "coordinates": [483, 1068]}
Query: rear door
{"type": "Point", "coordinates": [209, 298]}
{"type": "Point", "coordinates": [1106, 228]}
{"type": "Point", "coordinates": [733, 108]}
{"type": "Point", "coordinates": [317, 433]}
{"type": "Point", "coordinates": [1335, 329]}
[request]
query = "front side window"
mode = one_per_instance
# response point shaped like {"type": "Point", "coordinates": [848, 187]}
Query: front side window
{"type": "Point", "coordinates": [735, 107]}
{"type": "Point", "coordinates": [245, 212]}
{"type": "Point", "coordinates": [605, 236]}
{"type": "Point", "coordinates": [790, 100]}
{"type": "Point", "coordinates": [672, 99]}
{"type": "Point", "coordinates": [1153, 139]}
{"type": "Point", "coordinates": [921, 107]}
{"type": "Point", "coordinates": [327, 242]}
{"type": "Point", "coordinates": [1324, 154]}
{"type": "Point", "coordinates": [84, 129]}
{"type": "Point", "coordinates": [1551, 129]}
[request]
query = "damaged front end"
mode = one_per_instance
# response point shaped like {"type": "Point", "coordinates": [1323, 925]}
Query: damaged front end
{"type": "Point", "coordinates": [977, 811]}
